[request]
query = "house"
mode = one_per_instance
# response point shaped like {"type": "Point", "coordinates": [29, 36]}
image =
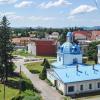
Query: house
{"type": "Point", "coordinates": [95, 36]}
{"type": "Point", "coordinates": [69, 75]}
{"type": "Point", "coordinates": [84, 38]}
{"type": "Point", "coordinates": [53, 35]}
{"type": "Point", "coordinates": [42, 47]}
{"type": "Point", "coordinates": [98, 46]}
{"type": "Point", "coordinates": [21, 43]}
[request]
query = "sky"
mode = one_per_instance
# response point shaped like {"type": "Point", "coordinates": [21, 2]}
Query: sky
{"type": "Point", "coordinates": [51, 13]}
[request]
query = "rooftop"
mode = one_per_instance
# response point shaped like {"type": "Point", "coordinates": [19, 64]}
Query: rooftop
{"type": "Point", "coordinates": [70, 74]}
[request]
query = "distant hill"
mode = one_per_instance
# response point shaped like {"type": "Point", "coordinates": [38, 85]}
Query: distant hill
{"type": "Point", "coordinates": [92, 28]}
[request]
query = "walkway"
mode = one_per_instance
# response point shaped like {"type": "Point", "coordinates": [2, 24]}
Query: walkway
{"type": "Point", "coordinates": [47, 92]}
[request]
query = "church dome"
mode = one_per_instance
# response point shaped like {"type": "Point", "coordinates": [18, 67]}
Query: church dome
{"type": "Point", "coordinates": [70, 47]}
{"type": "Point", "coordinates": [66, 47]}
{"type": "Point", "coordinates": [75, 49]}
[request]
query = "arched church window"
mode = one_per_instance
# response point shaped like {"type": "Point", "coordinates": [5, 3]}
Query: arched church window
{"type": "Point", "coordinates": [75, 50]}
{"type": "Point", "coordinates": [59, 58]}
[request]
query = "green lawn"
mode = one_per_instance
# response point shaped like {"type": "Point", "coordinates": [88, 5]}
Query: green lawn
{"type": "Point", "coordinates": [47, 57]}
{"type": "Point", "coordinates": [11, 88]}
{"type": "Point", "coordinates": [21, 53]}
{"type": "Point", "coordinates": [90, 62]}
{"type": "Point", "coordinates": [36, 67]}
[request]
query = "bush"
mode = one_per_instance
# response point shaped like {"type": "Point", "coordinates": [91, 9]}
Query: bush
{"type": "Point", "coordinates": [27, 95]}
{"type": "Point", "coordinates": [18, 97]}
{"type": "Point", "coordinates": [32, 98]}
{"type": "Point", "coordinates": [67, 98]}
{"type": "Point", "coordinates": [26, 85]}
{"type": "Point", "coordinates": [42, 77]}
{"type": "Point", "coordinates": [85, 59]}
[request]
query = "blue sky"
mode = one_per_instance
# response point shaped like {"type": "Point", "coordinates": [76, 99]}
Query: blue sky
{"type": "Point", "coordinates": [51, 13]}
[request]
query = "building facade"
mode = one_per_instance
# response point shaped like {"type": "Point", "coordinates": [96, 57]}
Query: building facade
{"type": "Point", "coordinates": [69, 74]}
{"type": "Point", "coordinates": [42, 47]}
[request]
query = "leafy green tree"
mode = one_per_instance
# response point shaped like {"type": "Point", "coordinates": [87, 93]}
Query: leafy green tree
{"type": "Point", "coordinates": [62, 38]}
{"type": "Point", "coordinates": [6, 49]}
{"type": "Point", "coordinates": [92, 51]}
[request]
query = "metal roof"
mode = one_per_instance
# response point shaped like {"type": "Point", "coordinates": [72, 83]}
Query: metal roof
{"type": "Point", "coordinates": [84, 73]}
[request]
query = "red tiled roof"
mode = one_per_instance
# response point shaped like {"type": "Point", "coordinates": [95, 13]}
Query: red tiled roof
{"type": "Point", "coordinates": [88, 34]}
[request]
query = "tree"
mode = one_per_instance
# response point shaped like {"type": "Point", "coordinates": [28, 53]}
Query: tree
{"type": "Point", "coordinates": [6, 49]}
{"type": "Point", "coordinates": [92, 51]}
{"type": "Point", "coordinates": [43, 74]}
{"type": "Point", "coordinates": [45, 63]}
{"type": "Point", "coordinates": [62, 38]}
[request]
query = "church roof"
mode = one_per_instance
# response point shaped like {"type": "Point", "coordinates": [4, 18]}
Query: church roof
{"type": "Point", "coordinates": [69, 46]}
{"type": "Point", "coordinates": [84, 73]}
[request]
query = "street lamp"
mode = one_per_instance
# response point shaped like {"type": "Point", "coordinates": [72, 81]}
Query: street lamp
{"type": "Point", "coordinates": [20, 80]}
{"type": "Point", "coordinates": [4, 81]}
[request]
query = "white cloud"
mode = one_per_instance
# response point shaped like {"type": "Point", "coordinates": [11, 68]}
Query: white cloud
{"type": "Point", "coordinates": [70, 17]}
{"type": "Point", "coordinates": [54, 3]}
{"type": "Point", "coordinates": [24, 4]}
{"type": "Point", "coordinates": [11, 16]}
{"type": "Point", "coordinates": [7, 1]}
{"type": "Point", "coordinates": [41, 18]}
{"type": "Point", "coordinates": [83, 9]}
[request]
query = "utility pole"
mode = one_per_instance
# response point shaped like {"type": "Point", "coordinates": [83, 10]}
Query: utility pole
{"type": "Point", "coordinates": [4, 82]}
{"type": "Point", "coordinates": [20, 80]}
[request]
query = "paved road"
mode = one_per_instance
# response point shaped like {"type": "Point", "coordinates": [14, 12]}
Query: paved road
{"type": "Point", "coordinates": [47, 92]}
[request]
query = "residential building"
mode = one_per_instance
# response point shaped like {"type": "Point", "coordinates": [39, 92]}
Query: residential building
{"type": "Point", "coordinates": [95, 36]}
{"type": "Point", "coordinates": [20, 43]}
{"type": "Point", "coordinates": [42, 47]}
{"type": "Point", "coordinates": [84, 38]}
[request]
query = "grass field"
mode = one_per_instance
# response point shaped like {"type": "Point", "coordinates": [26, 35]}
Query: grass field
{"type": "Point", "coordinates": [22, 53]}
{"type": "Point", "coordinates": [47, 57]}
{"type": "Point", "coordinates": [36, 67]}
{"type": "Point", "coordinates": [91, 62]}
{"type": "Point", "coordinates": [11, 88]}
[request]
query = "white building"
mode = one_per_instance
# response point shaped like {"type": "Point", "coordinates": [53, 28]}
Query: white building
{"type": "Point", "coordinates": [68, 73]}
{"type": "Point", "coordinates": [98, 53]}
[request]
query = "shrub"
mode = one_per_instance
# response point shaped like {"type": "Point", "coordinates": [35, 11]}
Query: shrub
{"type": "Point", "coordinates": [18, 97]}
{"type": "Point", "coordinates": [42, 77]}
{"type": "Point", "coordinates": [26, 85]}
{"type": "Point", "coordinates": [85, 59]}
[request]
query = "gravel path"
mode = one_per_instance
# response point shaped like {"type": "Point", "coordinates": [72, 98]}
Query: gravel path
{"type": "Point", "coordinates": [47, 92]}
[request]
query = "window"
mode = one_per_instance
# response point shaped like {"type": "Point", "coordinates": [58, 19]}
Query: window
{"type": "Point", "coordinates": [90, 86]}
{"type": "Point", "coordinates": [99, 85]}
{"type": "Point", "coordinates": [59, 58]}
{"type": "Point", "coordinates": [71, 89]}
{"type": "Point", "coordinates": [81, 87]}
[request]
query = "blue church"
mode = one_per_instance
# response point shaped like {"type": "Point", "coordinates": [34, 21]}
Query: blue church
{"type": "Point", "coordinates": [69, 74]}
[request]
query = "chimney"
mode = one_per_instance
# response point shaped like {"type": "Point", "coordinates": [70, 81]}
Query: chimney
{"type": "Point", "coordinates": [77, 67]}
{"type": "Point", "coordinates": [93, 67]}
